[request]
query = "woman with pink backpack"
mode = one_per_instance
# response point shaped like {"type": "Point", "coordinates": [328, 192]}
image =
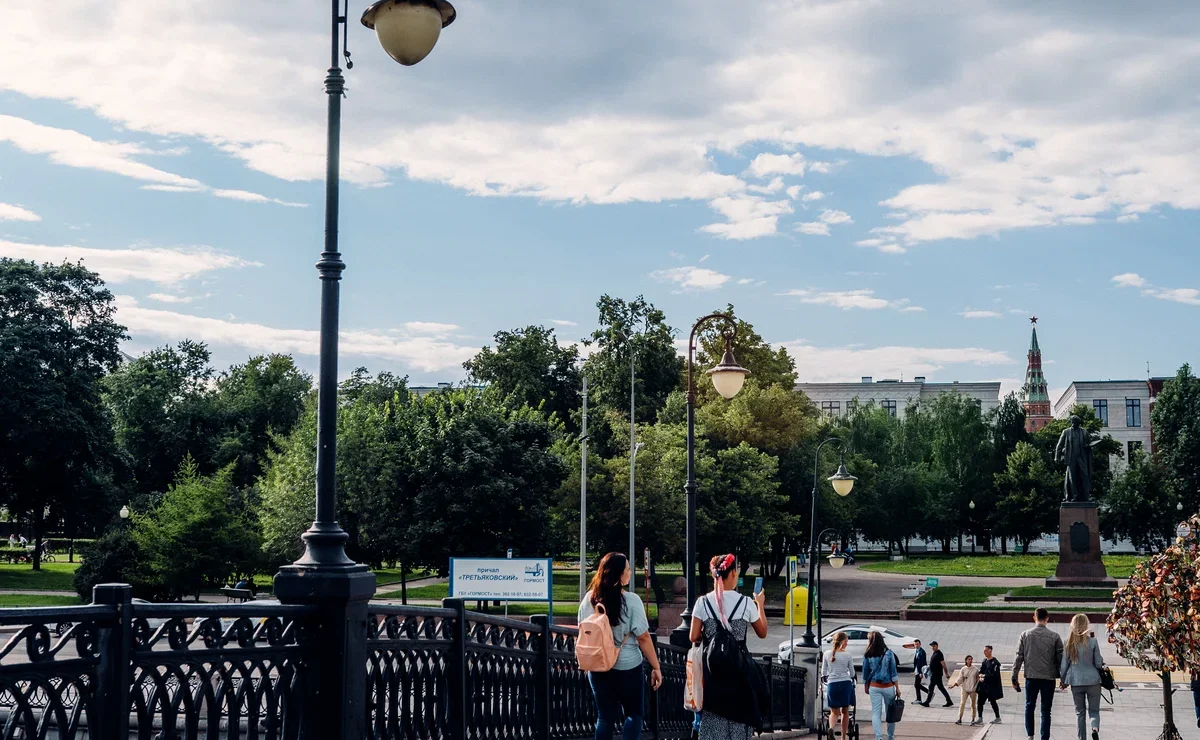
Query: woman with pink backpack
{"type": "Point", "coordinates": [608, 617]}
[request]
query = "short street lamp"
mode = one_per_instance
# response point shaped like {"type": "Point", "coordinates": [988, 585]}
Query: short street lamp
{"type": "Point", "coordinates": [324, 576]}
{"type": "Point", "coordinates": [124, 512]}
{"type": "Point", "coordinates": [1179, 506]}
{"type": "Point", "coordinates": [843, 484]}
{"type": "Point", "coordinates": [727, 378]}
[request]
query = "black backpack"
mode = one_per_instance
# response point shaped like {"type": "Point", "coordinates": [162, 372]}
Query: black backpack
{"type": "Point", "coordinates": [734, 686]}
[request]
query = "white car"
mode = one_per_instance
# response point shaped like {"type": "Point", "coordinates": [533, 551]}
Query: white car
{"type": "Point", "coordinates": [903, 646]}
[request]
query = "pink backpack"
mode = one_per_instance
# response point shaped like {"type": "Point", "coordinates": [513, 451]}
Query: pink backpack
{"type": "Point", "coordinates": [595, 648]}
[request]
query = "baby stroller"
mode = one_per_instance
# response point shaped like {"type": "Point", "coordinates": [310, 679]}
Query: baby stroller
{"type": "Point", "coordinates": [826, 730]}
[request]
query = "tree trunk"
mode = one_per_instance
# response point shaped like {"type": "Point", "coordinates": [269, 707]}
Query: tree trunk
{"type": "Point", "coordinates": [404, 583]}
{"type": "Point", "coordinates": [659, 592]}
{"type": "Point", "coordinates": [1003, 545]}
{"type": "Point", "coordinates": [37, 541]}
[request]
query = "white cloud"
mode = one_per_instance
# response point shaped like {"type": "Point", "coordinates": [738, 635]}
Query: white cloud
{"type": "Point", "coordinates": [887, 246]}
{"type": "Point", "coordinates": [1018, 311]}
{"type": "Point", "coordinates": [820, 227]}
{"type": "Point", "coordinates": [17, 213]}
{"type": "Point", "coordinates": [424, 353]}
{"type": "Point", "coordinates": [849, 299]}
{"type": "Point", "coordinates": [749, 217]}
{"type": "Point", "coordinates": [977, 314]}
{"type": "Point", "coordinates": [155, 264]}
{"type": "Point", "coordinates": [814, 195]}
{"type": "Point", "coordinates": [782, 164]}
{"type": "Point", "coordinates": [745, 281]}
{"type": "Point", "coordinates": [1129, 280]}
{"type": "Point", "coordinates": [705, 258]}
{"type": "Point", "coordinates": [912, 309]}
{"type": "Point", "coordinates": [73, 149]}
{"type": "Point", "coordinates": [793, 191]}
{"type": "Point", "coordinates": [168, 298]}
{"type": "Point", "coordinates": [254, 198]}
{"type": "Point", "coordinates": [1190, 296]}
{"type": "Point", "coordinates": [849, 363]}
{"type": "Point", "coordinates": [1028, 115]}
{"type": "Point", "coordinates": [564, 322]}
{"type": "Point", "coordinates": [692, 278]}
{"type": "Point", "coordinates": [430, 328]}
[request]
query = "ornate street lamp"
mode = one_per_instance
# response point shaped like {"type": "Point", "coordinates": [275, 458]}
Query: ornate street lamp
{"type": "Point", "coordinates": [324, 575]}
{"type": "Point", "coordinates": [843, 484]}
{"type": "Point", "coordinates": [727, 378]}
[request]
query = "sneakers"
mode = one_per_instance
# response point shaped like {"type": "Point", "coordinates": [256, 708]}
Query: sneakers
{"type": "Point", "coordinates": [1095, 735]}
{"type": "Point", "coordinates": [997, 721]}
{"type": "Point", "coordinates": [948, 704]}
{"type": "Point", "coordinates": [975, 722]}
{"type": "Point", "coordinates": [959, 722]}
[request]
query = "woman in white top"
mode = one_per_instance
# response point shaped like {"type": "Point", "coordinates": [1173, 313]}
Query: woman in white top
{"type": "Point", "coordinates": [838, 669]}
{"type": "Point", "coordinates": [726, 608]}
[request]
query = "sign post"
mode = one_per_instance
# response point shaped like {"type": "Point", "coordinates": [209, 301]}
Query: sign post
{"type": "Point", "coordinates": [646, 567]}
{"type": "Point", "coordinates": [503, 579]}
{"type": "Point", "coordinates": [792, 572]}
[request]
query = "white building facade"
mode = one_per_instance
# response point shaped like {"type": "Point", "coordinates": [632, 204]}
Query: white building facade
{"type": "Point", "coordinates": [1123, 407]}
{"type": "Point", "coordinates": [839, 399]}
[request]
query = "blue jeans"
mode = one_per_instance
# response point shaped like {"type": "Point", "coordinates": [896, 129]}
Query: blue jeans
{"type": "Point", "coordinates": [880, 698]}
{"type": "Point", "coordinates": [1036, 688]}
{"type": "Point", "coordinates": [614, 691]}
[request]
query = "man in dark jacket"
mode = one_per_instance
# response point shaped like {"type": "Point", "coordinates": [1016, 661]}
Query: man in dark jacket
{"type": "Point", "coordinates": [991, 685]}
{"type": "Point", "coordinates": [920, 662]}
{"type": "Point", "coordinates": [938, 673]}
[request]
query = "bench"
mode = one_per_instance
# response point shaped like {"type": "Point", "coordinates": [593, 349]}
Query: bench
{"type": "Point", "coordinates": [237, 594]}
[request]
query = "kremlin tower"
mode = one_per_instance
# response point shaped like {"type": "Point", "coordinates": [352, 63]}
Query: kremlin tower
{"type": "Point", "coordinates": [1034, 395]}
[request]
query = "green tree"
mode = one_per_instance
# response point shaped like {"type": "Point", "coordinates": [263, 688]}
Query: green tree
{"type": "Point", "coordinates": [194, 538]}
{"type": "Point", "coordinates": [254, 400]}
{"type": "Point", "coordinates": [739, 504]}
{"type": "Point", "coordinates": [635, 326]}
{"type": "Point", "coordinates": [381, 389]}
{"type": "Point", "coordinates": [1140, 507]}
{"type": "Point", "coordinates": [1029, 496]}
{"type": "Point", "coordinates": [57, 339]}
{"type": "Point", "coordinates": [960, 448]}
{"type": "Point", "coordinates": [529, 367]}
{"type": "Point", "coordinates": [164, 410]}
{"type": "Point", "coordinates": [769, 366]}
{"type": "Point", "coordinates": [1176, 424]}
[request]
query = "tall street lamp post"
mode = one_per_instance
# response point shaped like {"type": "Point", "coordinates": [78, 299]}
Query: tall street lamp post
{"type": "Point", "coordinates": [836, 560]}
{"type": "Point", "coordinates": [324, 576]}
{"type": "Point", "coordinates": [842, 483]}
{"type": "Point", "coordinates": [727, 377]}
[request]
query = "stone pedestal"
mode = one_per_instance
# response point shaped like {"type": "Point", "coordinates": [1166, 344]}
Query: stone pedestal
{"type": "Point", "coordinates": [1079, 561]}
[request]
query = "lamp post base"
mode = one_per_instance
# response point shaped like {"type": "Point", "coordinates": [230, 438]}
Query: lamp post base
{"type": "Point", "coordinates": [681, 635]}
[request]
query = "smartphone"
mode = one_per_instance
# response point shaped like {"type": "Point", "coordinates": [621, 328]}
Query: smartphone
{"type": "Point", "coordinates": [758, 585]}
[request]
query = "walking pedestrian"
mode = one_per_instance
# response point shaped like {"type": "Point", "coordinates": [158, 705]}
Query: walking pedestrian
{"type": "Point", "coordinates": [725, 608]}
{"type": "Point", "coordinates": [938, 673]}
{"type": "Point", "coordinates": [968, 678]}
{"type": "Point", "coordinates": [622, 687]}
{"type": "Point", "coordinates": [879, 671]}
{"type": "Point", "coordinates": [920, 664]}
{"type": "Point", "coordinates": [1196, 693]}
{"type": "Point", "coordinates": [991, 684]}
{"type": "Point", "coordinates": [838, 669]}
{"type": "Point", "coordinates": [1039, 651]}
{"type": "Point", "coordinates": [1080, 669]}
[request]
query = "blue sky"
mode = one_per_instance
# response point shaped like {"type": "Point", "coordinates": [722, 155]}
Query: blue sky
{"type": "Point", "coordinates": [888, 188]}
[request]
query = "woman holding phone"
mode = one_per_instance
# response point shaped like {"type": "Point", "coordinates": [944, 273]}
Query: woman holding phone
{"type": "Point", "coordinates": [728, 609]}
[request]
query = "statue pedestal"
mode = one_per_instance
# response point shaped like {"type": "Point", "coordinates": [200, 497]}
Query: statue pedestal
{"type": "Point", "coordinates": [1079, 562]}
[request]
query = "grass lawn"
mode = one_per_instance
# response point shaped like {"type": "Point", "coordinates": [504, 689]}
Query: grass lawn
{"type": "Point", "coordinates": [52, 577]}
{"type": "Point", "coordinates": [1028, 608]}
{"type": "Point", "coordinates": [1062, 594]}
{"type": "Point", "coordinates": [959, 595]}
{"type": "Point", "coordinates": [1012, 566]}
{"type": "Point", "coordinates": [10, 601]}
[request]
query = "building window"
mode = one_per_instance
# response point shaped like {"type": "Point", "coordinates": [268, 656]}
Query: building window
{"type": "Point", "coordinates": [890, 407]}
{"type": "Point", "coordinates": [1100, 406]}
{"type": "Point", "coordinates": [851, 407]}
{"type": "Point", "coordinates": [1133, 447]}
{"type": "Point", "coordinates": [1133, 412]}
{"type": "Point", "coordinates": [831, 408]}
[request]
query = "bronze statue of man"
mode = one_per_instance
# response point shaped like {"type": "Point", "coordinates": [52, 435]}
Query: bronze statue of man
{"type": "Point", "coordinates": [1075, 447]}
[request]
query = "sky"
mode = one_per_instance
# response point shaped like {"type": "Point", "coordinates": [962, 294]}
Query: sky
{"type": "Point", "coordinates": [886, 188]}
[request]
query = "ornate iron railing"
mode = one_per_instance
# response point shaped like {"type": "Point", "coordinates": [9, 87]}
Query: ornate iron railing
{"type": "Point", "coordinates": [119, 669]}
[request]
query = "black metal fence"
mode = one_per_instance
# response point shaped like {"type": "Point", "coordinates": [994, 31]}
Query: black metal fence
{"type": "Point", "coordinates": [122, 669]}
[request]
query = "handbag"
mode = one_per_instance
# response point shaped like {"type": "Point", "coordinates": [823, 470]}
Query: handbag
{"type": "Point", "coordinates": [693, 690]}
{"type": "Point", "coordinates": [895, 710]}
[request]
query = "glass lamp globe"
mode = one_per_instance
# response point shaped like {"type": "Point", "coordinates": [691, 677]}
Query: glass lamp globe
{"type": "Point", "coordinates": [843, 482]}
{"type": "Point", "coordinates": [408, 29]}
{"type": "Point", "coordinates": [836, 561]}
{"type": "Point", "coordinates": [728, 376]}
{"type": "Point", "coordinates": [124, 512]}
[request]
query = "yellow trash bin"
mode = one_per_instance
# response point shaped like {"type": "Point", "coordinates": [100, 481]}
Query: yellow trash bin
{"type": "Point", "coordinates": [798, 605]}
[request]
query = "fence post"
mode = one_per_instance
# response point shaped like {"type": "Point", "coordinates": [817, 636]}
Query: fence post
{"type": "Point", "coordinates": [458, 671]}
{"type": "Point", "coordinates": [114, 674]}
{"type": "Point", "coordinates": [336, 700]}
{"type": "Point", "coordinates": [541, 704]}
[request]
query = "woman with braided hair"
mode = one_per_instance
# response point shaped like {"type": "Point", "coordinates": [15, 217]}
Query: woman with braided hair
{"type": "Point", "coordinates": [726, 609]}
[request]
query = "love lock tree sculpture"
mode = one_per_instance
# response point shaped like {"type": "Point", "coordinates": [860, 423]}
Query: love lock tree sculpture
{"type": "Point", "coordinates": [1156, 617]}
